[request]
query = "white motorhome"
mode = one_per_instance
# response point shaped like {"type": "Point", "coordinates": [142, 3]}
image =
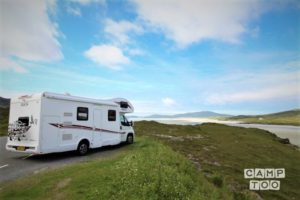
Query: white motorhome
{"type": "Point", "coordinates": [48, 122]}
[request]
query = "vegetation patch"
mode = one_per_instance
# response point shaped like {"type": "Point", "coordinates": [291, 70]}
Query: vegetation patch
{"type": "Point", "coordinates": [202, 162]}
{"type": "Point", "coordinates": [4, 112]}
{"type": "Point", "coordinates": [145, 170]}
{"type": "Point", "coordinates": [291, 117]}
{"type": "Point", "coordinates": [223, 152]}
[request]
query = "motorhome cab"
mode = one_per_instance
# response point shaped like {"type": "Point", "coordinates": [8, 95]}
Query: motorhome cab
{"type": "Point", "coordinates": [48, 122]}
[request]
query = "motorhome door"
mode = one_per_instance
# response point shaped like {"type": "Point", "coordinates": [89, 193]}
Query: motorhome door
{"type": "Point", "coordinates": [97, 135]}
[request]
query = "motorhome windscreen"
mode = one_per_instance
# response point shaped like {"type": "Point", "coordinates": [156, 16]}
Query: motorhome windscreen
{"type": "Point", "coordinates": [24, 120]}
{"type": "Point", "coordinates": [123, 120]}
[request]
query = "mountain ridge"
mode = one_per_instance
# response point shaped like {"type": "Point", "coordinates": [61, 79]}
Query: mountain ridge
{"type": "Point", "coordinates": [4, 102]}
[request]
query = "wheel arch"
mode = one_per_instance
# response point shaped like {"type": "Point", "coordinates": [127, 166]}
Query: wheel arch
{"type": "Point", "coordinates": [130, 133]}
{"type": "Point", "coordinates": [130, 141]}
{"type": "Point", "coordinates": [84, 140]}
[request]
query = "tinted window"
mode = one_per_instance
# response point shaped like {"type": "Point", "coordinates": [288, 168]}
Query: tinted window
{"type": "Point", "coordinates": [123, 104]}
{"type": "Point", "coordinates": [111, 115]}
{"type": "Point", "coordinates": [82, 113]}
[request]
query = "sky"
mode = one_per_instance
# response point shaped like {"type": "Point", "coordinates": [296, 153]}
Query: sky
{"type": "Point", "coordinates": [166, 57]}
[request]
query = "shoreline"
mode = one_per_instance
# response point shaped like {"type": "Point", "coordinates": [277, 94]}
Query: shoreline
{"type": "Point", "coordinates": [291, 132]}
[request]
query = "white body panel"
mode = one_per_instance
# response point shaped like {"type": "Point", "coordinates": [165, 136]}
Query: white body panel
{"type": "Point", "coordinates": [56, 124]}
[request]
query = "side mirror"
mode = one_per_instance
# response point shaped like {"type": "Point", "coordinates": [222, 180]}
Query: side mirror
{"type": "Point", "coordinates": [131, 123]}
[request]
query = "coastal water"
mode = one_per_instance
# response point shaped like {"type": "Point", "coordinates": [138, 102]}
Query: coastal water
{"type": "Point", "coordinates": [282, 131]}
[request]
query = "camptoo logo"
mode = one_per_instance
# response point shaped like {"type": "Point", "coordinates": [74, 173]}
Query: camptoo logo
{"type": "Point", "coordinates": [267, 178]}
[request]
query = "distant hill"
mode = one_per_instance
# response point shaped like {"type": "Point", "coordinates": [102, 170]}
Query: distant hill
{"type": "Point", "coordinates": [4, 111]}
{"type": "Point", "coordinates": [132, 116]}
{"type": "Point", "coordinates": [290, 117]}
{"type": "Point", "coordinates": [202, 114]}
{"type": "Point", "coordinates": [157, 116]}
{"type": "Point", "coordinates": [4, 102]}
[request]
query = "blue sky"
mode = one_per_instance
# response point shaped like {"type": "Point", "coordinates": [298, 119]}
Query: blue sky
{"type": "Point", "coordinates": [236, 57]}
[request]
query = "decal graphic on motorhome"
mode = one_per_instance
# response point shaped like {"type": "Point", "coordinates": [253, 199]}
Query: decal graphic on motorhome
{"type": "Point", "coordinates": [84, 127]}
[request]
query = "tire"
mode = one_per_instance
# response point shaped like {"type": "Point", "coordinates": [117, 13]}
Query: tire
{"type": "Point", "coordinates": [130, 139]}
{"type": "Point", "coordinates": [83, 148]}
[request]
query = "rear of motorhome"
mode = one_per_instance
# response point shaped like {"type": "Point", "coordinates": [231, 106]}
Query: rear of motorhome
{"type": "Point", "coordinates": [48, 122]}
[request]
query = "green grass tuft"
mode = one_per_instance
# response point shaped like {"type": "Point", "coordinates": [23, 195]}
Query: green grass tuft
{"type": "Point", "coordinates": [146, 170]}
{"type": "Point", "coordinates": [217, 180]}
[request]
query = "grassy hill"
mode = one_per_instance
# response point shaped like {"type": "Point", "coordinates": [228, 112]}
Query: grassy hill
{"type": "Point", "coordinates": [172, 162]}
{"type": "Point", "coordinates": [291, 117]}
{"type": "Point", "coordinates": [4, 102]}
{"type": "Point", "coordinates": [4, 112]}
{"type": "Point", "coordinates": [221, 153]}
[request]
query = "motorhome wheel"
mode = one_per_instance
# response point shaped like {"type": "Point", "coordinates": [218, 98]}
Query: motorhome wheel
{"type": "Point", "coordinates": [129, 139]}
{"type": "Point", "coordinates": [83, 148]}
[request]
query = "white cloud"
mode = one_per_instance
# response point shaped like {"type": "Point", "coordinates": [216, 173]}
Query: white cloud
{"type": "Point", "coordinates": [281, 92]}
{"type": "Point", "coordinates": [120, 30]}
{"type": "Point", "coordinates": [27, 32]}
{"type": "Point", "coordinates": [251, 87]}
{"type": "Point", "coordinates": [168, 101]}
{"type": "Point", "coordinates": [74, 11]}
{"type": "Point", "coordinates": [51, 6]}
{"type": "Point", "coordinates": [107, 55]}
{"type": "Point", "coordinates": [87, 2]}
{"type": "Point", "coordinates": [187, 22]}
{"type": "Point", "coordinates": [135, 52]}
{"type": "Point", "coordinates": [7, 64]}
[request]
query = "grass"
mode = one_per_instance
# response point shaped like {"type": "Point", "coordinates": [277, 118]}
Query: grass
{"type": "Point", "coordinates": [145, 170]}
{"type": "Point", "coordinates": [172, 162]}
{"type": "Point", "coordinates": [222, 153]}
{"type": "Point", "coordinates": [3, 121]}
{"type": "Point", "coordinates": [291, 117]}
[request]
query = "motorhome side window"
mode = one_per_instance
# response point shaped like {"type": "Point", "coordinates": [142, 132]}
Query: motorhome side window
{"type": "Point", "coordinates": [111, 115]}
{"type": "Point", "coordinates": [82, 113]}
